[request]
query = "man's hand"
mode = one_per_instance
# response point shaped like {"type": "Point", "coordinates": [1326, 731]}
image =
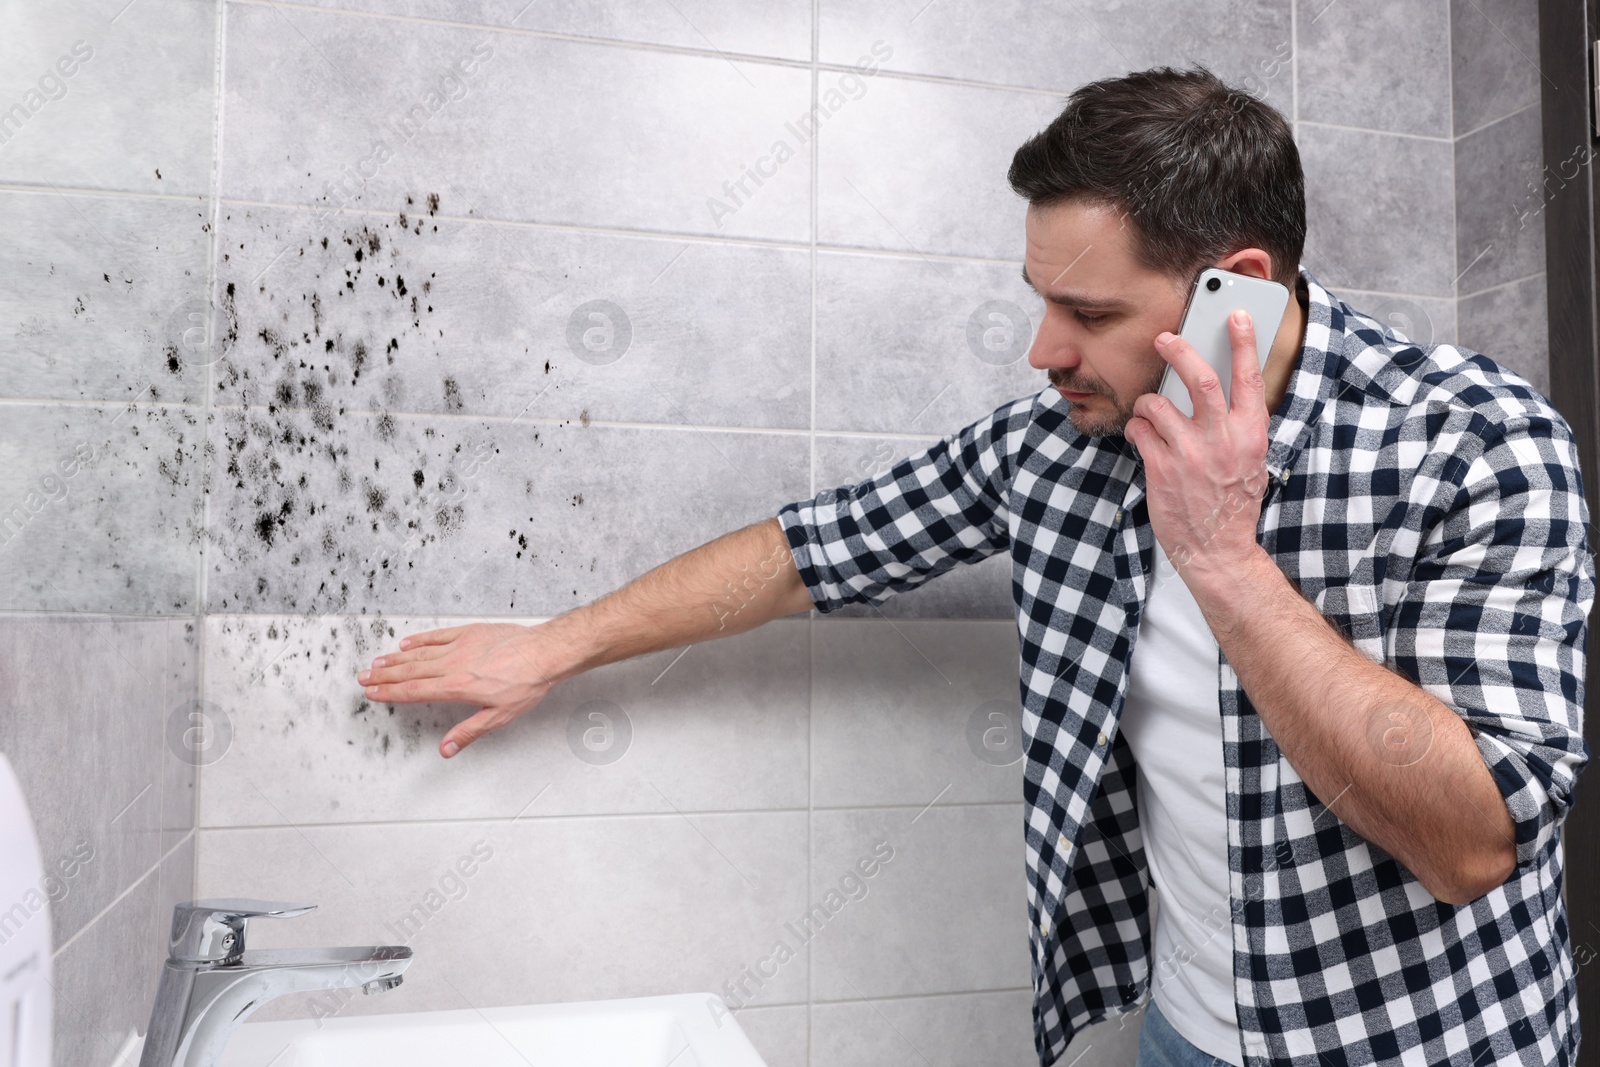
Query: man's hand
{"type": "Point", "coordinates": [501, 667]}
{"type": "Point", "coordinates": [1204, 476]}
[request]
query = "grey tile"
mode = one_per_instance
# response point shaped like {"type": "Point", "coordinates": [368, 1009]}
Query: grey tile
{"type": "Point", "coordinates": [780, 29]}
{"type": "Point", "coordinates": [1494, 59]}
{"type": "Point", "coordinates": [909, 711]}
{"type": "Point", "coordinates": [558, 909]}
{"type": "Point", "coordinates": [176, 886]}
{"type": "Point", "coordinates": [535, 132]}
{"type": "Point", "coordinates": [988, 1028]}
{"type": "Point", "coordinates": [105, 980]}
{"type": "Point", "coordinates": [979, 590]}
{"type": "Point", "coordinates": [1500, 203]}
{"type": "Point", "coordinates": [945, 914]}
{"type": "Point", "coordinates": [97, 296]}
{"type": "Point", "coordinates": [780, 1035]}
{"type": "Point", "coordinates": [312, 514]}
{"type": "Point", "coordinates": [135, 113]}
{"type": "Point", "coordinates": [1375, 64]}
{"type": "Point", "coordinates": [1510, 325]}
{"type": "Point", "coordinates": [1060, 47]}
{"type": "Point", "coordinates": [411, 313]}
{"type": "Point", "coordinates": [99, 508]}
{"type": "Point", "coordinates": [719, 725]}
{"type": "Point", "coordinates": [187, 740]}
{"type": "Point", "coordinates": [884, 182]}
{"type": "Point", "coordinates": [906, 345]}
{"type": "Point", "coordinates": [1378, 211]}
{"type": "Point", "coordinates": [1423, 319]}
{"type": "Point", "coordinates": [82, 723]}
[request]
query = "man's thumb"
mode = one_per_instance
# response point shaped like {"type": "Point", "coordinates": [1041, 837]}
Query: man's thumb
{"type": "Point", "coordinates": [466, 732]}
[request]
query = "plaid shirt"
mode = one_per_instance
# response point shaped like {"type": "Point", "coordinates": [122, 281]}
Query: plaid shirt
{"type": "Point", "coordinates": [1428, 501]}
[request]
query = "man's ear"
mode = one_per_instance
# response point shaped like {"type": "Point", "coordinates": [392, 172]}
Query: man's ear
{"type": "Point", "coordinates": [1253, 262]}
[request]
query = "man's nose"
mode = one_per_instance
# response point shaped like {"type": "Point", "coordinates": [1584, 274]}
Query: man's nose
{"type": "Point", "coordinates": [1051, 349]}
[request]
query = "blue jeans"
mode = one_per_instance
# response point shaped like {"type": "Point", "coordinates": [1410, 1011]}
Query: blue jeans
{"type": "Point", "coordinates": [1162, 1046]}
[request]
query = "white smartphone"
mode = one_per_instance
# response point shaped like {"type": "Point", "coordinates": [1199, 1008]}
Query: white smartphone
{"type": "Point", "coordinates": [1215, 296]}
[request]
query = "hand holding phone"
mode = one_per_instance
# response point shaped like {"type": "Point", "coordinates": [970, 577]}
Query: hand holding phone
{"type": "Point", "coordinates": [1215, 296]}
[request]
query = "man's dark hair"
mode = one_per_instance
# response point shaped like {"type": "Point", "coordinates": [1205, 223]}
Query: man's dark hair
{"type": "Point", "coordinates": [1199, 168]}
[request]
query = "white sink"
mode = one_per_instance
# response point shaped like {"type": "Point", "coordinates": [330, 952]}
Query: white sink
{"type": "Point", "coordinates": [682, 1030]}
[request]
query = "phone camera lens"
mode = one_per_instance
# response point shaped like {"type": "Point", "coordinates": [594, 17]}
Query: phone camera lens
{"type": "Point", "coordinates": [1213, 284]}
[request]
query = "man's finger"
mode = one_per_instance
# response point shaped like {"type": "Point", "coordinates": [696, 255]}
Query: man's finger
{"type": "Point", "coordinates": [1205, 388]}
{"type": "Point", "coordinates": [399, 672]}
{"type": "Point", "coordinates": [469, 730]}
{"type": "Point", "coordinates": [395, 659]}
{"type": "Point", "coordinates": [1248, 387]}
{"type": "Point", "coordinates": [409, 691]}
{"type": "Point", "coordinates": [431, 637]}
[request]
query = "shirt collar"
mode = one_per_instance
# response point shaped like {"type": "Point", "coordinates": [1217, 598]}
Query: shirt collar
{"type": "Point", "coordinates": [1318, 372]}
{"type": "Point", "coordinates": [1344, 352]}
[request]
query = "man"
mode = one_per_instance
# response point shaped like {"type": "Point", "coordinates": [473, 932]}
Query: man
{"type": "Point", "coordinates": [1359, 593]}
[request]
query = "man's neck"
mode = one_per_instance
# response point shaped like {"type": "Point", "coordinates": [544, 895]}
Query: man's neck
{"type": "Point", "coordinates": [1285, 353]}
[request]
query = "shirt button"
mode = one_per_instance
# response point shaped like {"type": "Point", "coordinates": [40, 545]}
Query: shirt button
{"type": "Point", "coordinates": [1118, 517]}
{"type": "Point", "coordinates": [1101, 739]}
{"type": "Point", "coordinates": [1044, 928]}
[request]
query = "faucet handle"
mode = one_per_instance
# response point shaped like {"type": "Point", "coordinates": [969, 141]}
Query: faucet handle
{"type": "Point", "coordinates": [212, 931]}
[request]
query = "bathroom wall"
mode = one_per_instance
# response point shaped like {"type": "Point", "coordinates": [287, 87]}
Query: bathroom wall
{"type": "Point", "coordinates": [106, 133]}
{"type": "Point", "coordinates": [459, 312]}
{"type": "Point", "coordinates": [505, 347]}
{"type": "Point", "coordinates": [1501, 190]}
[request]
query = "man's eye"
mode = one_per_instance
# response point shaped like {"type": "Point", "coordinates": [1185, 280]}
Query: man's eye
{"type": "Point", "coordinates": [1090, 320]}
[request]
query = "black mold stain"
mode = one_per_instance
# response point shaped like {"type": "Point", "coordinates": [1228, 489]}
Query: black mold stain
{"type": "Point", "coordinates": [317, 517]}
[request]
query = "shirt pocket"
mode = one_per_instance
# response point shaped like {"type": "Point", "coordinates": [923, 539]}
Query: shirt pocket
{"type": "Point", "coordinates": [1355, 609]}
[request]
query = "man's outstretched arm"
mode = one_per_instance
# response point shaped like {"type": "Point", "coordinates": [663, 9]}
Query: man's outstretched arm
{"type": "Point", "coordinates": [726, 586]}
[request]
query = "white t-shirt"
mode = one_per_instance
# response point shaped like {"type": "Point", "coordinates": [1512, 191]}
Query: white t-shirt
{"type": "Point", "coordinates": [1173, 724]}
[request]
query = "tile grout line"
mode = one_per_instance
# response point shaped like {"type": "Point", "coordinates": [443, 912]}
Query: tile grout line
{"type": "Point", "coordinates": [1497, 286]}
{"type": "Point", "coordinates": [202, 585]}
{"type": "Point", "coordinates": [1294, 66]}
{"type": "Point", "coordinates": [579, 816]}
{"type": "Point", "coordinates": [661, 48]}
{"type": "Point", "coordinates": [670, 236]}
{"type": "Point", "coordinates": [811, 452]}
{"type": "Point", "coordinates": [1492, 122]}
{"type": "Point", "coordinates": [1373, 132]}
{"type": "Point", "coordinates": [674, 237]}
{"type": "Point", "coordinates": [452, 416]}
{"type": "Point", "coordinates": [43, 616]}
{"type": "Point", "coordinates": [154, 869]}
{"type": "Point", "coordinates": [1455, 184]}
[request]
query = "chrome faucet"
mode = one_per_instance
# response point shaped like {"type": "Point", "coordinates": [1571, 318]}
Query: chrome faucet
{"type": "Point", "coordinates": [211, 982]}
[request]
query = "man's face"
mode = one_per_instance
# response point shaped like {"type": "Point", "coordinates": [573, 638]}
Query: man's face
{"type": "Point", "coordinates": [1102, 312]}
